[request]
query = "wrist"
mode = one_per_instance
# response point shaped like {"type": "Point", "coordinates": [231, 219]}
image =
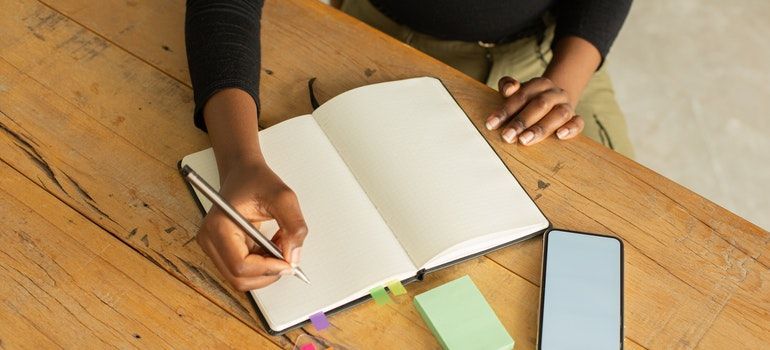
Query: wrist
{"type": "Point", "coordinates": [231, 118]}
{"type": "Point", "coordinates": [573, 64]}
{"type": "Point", "coordinates": [562, 79]}
{"type": "Point", "coordinates": [228, 163]}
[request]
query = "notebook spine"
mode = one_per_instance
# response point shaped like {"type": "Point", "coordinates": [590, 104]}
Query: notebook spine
{"type": "Point", "coordinates": [420, 274]}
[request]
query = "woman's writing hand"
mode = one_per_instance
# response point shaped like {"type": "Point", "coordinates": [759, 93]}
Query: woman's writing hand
{"type": "Point", "coordinates": [258, 194]}
{"type": "Point", "coordinates": [533, 111]}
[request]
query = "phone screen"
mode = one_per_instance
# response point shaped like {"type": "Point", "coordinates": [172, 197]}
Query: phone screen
{"type": "Point", "coordinates": [582, 297]}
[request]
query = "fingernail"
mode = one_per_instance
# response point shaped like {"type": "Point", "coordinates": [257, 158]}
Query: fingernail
{"type": "Point", "coordinates": [295, 256]}
{"type": "Point", "coordinates": [492, 123]}
{"type": "Point", "coordinates": [286, 272]}
{"type": "Point", "coordinates": [526, 137]}
{"type": "Point", "coordinates": [517, 125]}
{"type": "Point", "coordinates": [562, 133]}
{"type": "Point", "coordinates": [509, 135]}
{"type": "Point", "coordinates": [508, 90]}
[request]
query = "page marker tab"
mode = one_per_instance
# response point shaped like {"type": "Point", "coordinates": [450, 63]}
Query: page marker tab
{"type": "Point", "coordinates": [307, 346]}
{"type": "Point", "coordinates": [380, 296]}
{"type": "Point", "coordinates": [396, 288]}
{"type": "Point", "coordinates": [319, 321]}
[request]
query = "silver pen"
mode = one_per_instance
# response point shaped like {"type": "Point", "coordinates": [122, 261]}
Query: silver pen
{"type": "Point", "coordinates": [210, 193]}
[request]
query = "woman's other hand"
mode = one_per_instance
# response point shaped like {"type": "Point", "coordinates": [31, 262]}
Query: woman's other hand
{"type": "Point", "coordinates": [533, 111]}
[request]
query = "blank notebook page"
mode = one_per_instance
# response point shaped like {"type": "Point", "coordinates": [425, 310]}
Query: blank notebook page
{"type": "Point", "coordinates": [425, 167]}
{"type": "Point", "coordinates": [348, 248]}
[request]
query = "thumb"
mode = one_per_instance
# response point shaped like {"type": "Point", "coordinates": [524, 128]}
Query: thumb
{"type": "Point", "coordinates": [292, 227]}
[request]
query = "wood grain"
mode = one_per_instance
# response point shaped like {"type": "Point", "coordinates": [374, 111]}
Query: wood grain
{"type": "Point", "coordinates": [97, 111]}
{"type": "Point", "coordinates": [68, 284]}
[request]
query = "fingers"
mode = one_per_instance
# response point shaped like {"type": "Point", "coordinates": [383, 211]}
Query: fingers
{"type": "Point", "coordinates": [533, 111]}
{"type": "Point", "coordinates": [546, 125]}
{"type": "Point", "coordinates": [536, 109]}
{"type": "Point", "coordinates": [272, 270]}
{"type": "Point", "coordinates": [258, 194]}
{"type": "Point", "coordinates": [228, 242]}
{"type": "Point", "coordinates": [242, 269]}
{"type": "Point", "coordinates": [239, 262]}
{"type": "Point", "coordinates": [247, 284]}
{"type": "Point", "coordinates": [516, 101]}
{"type": "Point", "coordinates": [571, 128]}
{"type": "Point", "coordinates": [293, 229]}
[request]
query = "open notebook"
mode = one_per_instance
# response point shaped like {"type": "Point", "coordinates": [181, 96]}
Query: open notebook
{"type": "Point", "coordinates": [394, 181]}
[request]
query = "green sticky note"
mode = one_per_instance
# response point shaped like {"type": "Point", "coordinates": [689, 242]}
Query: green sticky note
{"type": "Point", "coordinates": [396, 288]}
{"type": "Point", "coordinates": [460, 317]}
{"type": "Point", "coordinates": [380, 296]}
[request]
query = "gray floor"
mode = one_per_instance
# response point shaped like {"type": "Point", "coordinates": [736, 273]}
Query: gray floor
{"type": "Point", "coordinates": [693, 77]}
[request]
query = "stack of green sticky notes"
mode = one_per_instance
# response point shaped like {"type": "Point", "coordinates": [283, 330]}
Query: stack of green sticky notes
{"type": "Point", "coordinates": [460, 318]}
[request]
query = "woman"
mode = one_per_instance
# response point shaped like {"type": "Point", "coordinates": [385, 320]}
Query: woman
{"type": "Point", "coordinates": [557, 80]}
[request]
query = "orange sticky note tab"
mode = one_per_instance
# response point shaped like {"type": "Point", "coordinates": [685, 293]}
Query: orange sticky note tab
{"type": "Point", "coordinates": [396, 288]}
{"type": "Point", "coordinates": [380, 296]}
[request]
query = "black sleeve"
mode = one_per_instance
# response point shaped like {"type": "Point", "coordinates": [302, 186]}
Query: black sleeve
{"type": "Point", "coordinates": [223, 51]}
{"type": "Point", "coordinates": [597, 21]}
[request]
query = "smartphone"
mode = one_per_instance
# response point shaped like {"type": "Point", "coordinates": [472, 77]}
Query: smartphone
{"type": "Point", "coordinates": [581, 296]}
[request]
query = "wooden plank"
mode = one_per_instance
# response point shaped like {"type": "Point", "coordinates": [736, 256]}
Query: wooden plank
{"type": "Point", "coordinates": [102, 81]}
{"type": "Point", "coordinates": [108, 174]}
{"type": "Point", "coordinates": [690, 269]}
{"type": "Point", "coordinates": [68, 284]}
{"type": "Point", "coordinates": [151, 30]}
{"type": "Point", "coordinates": [563, 177]}
{"type": "Point", "coordinates": [118, 205]}
{"type": "Point", "coordinates": [743, 322]}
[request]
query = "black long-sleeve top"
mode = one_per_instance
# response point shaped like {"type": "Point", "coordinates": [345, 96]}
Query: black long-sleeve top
{"type": "Point", "coordinates": [223, 48]}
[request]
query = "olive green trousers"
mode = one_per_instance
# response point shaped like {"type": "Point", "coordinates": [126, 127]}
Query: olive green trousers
{"type": "Point", "coordinates": [522, 59]}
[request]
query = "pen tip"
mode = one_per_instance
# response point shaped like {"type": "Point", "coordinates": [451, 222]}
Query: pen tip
{"type": "Point", "coordinates": [301, 275]}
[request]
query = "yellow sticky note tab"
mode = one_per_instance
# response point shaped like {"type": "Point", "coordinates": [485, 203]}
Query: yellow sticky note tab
{"type": "Point", "coordinates": [380, 296]}
{"type": "Point", "coordinates": [396, 288]}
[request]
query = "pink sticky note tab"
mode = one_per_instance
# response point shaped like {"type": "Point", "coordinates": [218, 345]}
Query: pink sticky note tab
{"type": "Point", "coordinates": [307, 346]}
{"type": "Point", "coordinates": [319, 321]}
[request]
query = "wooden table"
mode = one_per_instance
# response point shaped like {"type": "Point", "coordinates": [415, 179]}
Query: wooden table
{"type": "Point", "coordinates": [97, 225]}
